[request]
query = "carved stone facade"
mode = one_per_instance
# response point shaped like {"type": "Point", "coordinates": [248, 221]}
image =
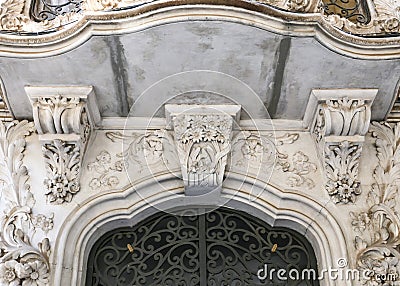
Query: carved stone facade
{"type": "Point", "coordinates": [125, 158]}
{"type": "Point", "coordinates": [196, 111]}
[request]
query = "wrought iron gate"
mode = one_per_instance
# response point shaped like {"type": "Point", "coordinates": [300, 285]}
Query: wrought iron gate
{"type": "Point", "coordinates": [222, 247]}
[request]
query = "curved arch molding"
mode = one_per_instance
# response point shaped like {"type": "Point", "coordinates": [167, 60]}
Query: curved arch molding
{"type": "Point", "coordinates": [64, 33]}
{"type": "Point", "coordinates": [118, 208]}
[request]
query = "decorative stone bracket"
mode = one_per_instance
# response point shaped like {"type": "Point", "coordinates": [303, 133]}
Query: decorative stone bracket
{"type": "Point", "coordinates": [339, 120]}
{"type": "Point", "coordinates": [203, 138]}
{"type": "Point", "coordinates": [64, 117]}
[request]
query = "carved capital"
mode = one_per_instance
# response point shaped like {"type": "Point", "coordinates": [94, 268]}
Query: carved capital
{"type": "Point", "coordinates": [339, 120]}
{"type": "Point", "coordinates": [64, 118]}
{"type": "Point", "coordinates": [203, 141]}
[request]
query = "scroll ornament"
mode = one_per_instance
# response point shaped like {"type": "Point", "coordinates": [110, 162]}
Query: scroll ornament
{"type": "Point", "coordinates": [378, 228]}
{"type": "Point", "coordinates": [21, 263]}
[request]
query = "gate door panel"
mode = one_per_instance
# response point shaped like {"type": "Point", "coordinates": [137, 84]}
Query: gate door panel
{"type": "Point", "coordinates": [222, 247]}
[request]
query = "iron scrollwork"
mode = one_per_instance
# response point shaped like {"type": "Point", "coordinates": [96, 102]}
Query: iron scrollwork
{"type": "Point", "coordinates": [42, 10]}
{"type": "Point", "coordinates": [220, 247]}
{"type": "Point", "coordinates": [354, 10]}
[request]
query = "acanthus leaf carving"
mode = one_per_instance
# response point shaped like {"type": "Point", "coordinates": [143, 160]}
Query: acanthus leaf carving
{"type": "Point", "coordinates": [339, 126]}
{"type": "Point", "coordinates": [378, 228]}
{"type": "Point", "coordinates": [20, 262]}
{"type": "Point", "coordinates": [341, 167]}
{"type": "Point", "coordinates": [63, 117]}
{"type": "Point", "coordinates": [62, 164]}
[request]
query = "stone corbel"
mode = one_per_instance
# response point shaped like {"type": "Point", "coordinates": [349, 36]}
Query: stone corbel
{"type": "Point", "coordinates": [202, 135]}
{"type": "Point", "coordinates": [339, 120]}
{"type": "Point", "coordinates": [64, 117]}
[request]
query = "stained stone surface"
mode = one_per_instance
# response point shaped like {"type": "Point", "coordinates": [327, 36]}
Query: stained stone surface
{"type": "Point", "coordinates": [280, 70]}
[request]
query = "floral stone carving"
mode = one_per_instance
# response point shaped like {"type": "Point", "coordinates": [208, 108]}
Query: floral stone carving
{"type": "Point", "coordinates": [152, 151]}
{"type": "Point", "coordinates": [21, 263]}
{"type": "Point", "coordinates": [299, 167]}
{"type": "Point", "coordinates": [378, 228]}
{"type": "Point", "coordinates": [203, 142]}
{"type": "Point", "coordinates": [258, 153]}
{"type": "Point", "coordinates": [341, 169]}
{"type": "Point", "coordinates": [62, 165]}
{"type": "Point", "coordinates": [106, 169]}
{"type": "Point", "coordinates": [339, 128]}
{"type": "Point", "coordinates": [13, 18]}
{"type": "Point", "coordinates": [63, 118]}
{"type": "Point", "coordinates": [19, 15]}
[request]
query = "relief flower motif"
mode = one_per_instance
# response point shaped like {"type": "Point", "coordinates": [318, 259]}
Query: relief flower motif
{"type": "Point", "coordinates": [120, 165]}
{"type": "Point", "coordinates": [59, 189]}
{"type": "Point", "coordinates": [33, 273]}
{"type": "Point", "coordinates": [12, 22]}
{"type": "Point", "coordinates": [104, 157]}
{"type": "Point", "coordinates": [253, 150]}
{"type": "Point", "coordinates": [224, 126]}
{"type": "Point", "coordinates": [360, 221]}
{"type": "Point", "coordinates": [210, 135]}
{"type": "Point", "coordinates": [198, 122]}
{"type": "Point", "coordinates": [8, 275]}
{"type": "Point", "coordinates": [391, 25]}
{"type": "Point", "coordinates": [105, 168]}
{"type": "Point", "coordinates": [197, 136]}
{"type": "Point", "coordinates": [344, 189]}
{"type": "Point", "coordinates": [109, 4]}
{"type": "Point", "coordinates": [43, 222]}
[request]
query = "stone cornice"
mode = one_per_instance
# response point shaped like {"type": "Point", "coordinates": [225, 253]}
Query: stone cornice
{"type": "Point", "coordinates": [62, 38]}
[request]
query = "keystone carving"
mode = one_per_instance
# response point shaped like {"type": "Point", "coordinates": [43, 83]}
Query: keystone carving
{"type": "Point", "coordinates": [63, 120]}
{"type": "Point", "coordinates": [203, 144]}
{"type": "Point", "coordinates": [21, 263]}
{"type": "Point", "coordinates": [339, 126]}
{"type": "Point", "coordinates": [203, 141]}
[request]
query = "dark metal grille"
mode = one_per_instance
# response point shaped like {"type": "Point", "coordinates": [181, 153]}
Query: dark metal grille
{"type": "Point", "coordinates": [354, 10]}
{"type": "Point", "coordinates": [221, 247]}
{"type": "Point", "coordinates": [49, 9]}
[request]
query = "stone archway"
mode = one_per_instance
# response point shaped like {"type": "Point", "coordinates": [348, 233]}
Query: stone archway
{"type": "Point", "coordinates": [108, 211]}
